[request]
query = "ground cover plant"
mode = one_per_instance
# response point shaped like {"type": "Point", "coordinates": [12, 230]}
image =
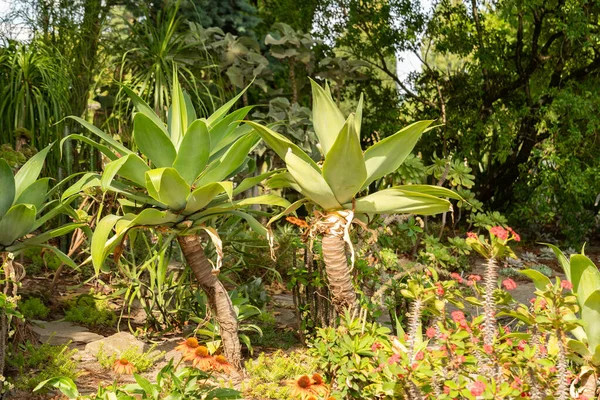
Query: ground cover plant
{"type": "Point", "coordinates": [267, 199]}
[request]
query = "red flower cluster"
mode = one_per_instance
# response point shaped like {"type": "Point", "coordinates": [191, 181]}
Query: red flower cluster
{"type": "Point", "coordinates": [566, 285]}
{"type": "Point", "coordinates": [478, 388]}
{"type": "Point", "coordinates": [499, 232]}
{"type": "Point", "coordinates": [509, 284]}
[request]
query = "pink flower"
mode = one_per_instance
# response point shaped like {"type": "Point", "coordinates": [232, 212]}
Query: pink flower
{"type": "Point", "coordinates": [521, 345]}
{"type": "Point", "coordinates": [394, 359]}
{"type": "Point", "coordinates": [419, 356]}
{"type": "Point", "coordinates": [460, 359]}
{"type": "Point", "coordinates": [430, 332]}
{"type": "Point", "coordinates": [475, 278]}
{"type": "Point", "coordinates": [515, 235]}
{"type": "Point", "coordinates": [376, 346]}
{"type": "Point", "coordinates": [456, 276]}
{"type": "Point", "coordinates": [439, 289]}
{"type": "Point", "coordinates": [458, 316]}
{"type": "Point", "coordinates": [478, 388]}
{"type": "Point", "coordinates": [566, 285]}
{"type": "Point", "coordinates": [509, 284]}
{"type": "Point", "coordinates": [543, 350]}
{"type": "Point", "coordinates": [446, 390]}
{"type": "Point", "coordinates": [472, 235]}
{"type": "Point", "coordinates": [499, 232]}
{"type": "Point", "coordinates": [488, 349]}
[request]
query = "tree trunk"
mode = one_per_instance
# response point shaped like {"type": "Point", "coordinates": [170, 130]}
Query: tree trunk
{"type": "Point", "coordinates": [338, 273]}
{"type": "Point", "coordinates": [218, 298]}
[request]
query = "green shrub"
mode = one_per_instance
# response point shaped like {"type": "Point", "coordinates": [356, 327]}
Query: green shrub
{"type": "Point", "coordinates": [33, 308]}
{"type": "Point", "coordinates": [34, 364]}
{"type": "Point", "coordinates": [91, 311]}
{"type": "Point", "coordinates": [268, 373]}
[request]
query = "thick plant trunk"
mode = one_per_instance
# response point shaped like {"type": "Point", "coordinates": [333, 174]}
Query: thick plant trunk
{"type": "Point", "coordinates": [218, 298]}
{"type": "Point", "coordinates": [338, 273]}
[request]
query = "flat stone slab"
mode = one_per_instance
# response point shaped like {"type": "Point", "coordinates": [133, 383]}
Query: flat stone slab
{"type": "Point", "coordinates": [115, 344]}
{"type": "Point", "coordinates": [63, 332]}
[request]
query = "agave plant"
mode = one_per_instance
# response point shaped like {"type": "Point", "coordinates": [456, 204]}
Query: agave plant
{"type": "Point", "coordinates": [23, 210]}
{"type": "Point", "coordinates": [334, 186]}
{"type": "Point", "coordinates": [182, 187]}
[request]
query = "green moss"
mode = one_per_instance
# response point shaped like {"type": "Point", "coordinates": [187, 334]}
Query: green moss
{"type": "Point", "coordinates": [90, 311]}
{"type": "Point", "coordinates": [34, 364]}
{"type": "Point", "coordinates": [142, 361]}
{"type": "Point", "coordinates": [33, 308]}
{"type": "Point", "coordinates": [268, 373]}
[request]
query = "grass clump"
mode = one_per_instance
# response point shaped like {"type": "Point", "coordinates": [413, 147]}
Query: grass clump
{"type": "Point", "coordinates": [90, 311]}
{"type": "Point", "coordinates": [33, 364]}
{"type": "Point", "coordinates": [34, 308]}
{"type": "Point", "coordinates": [142, 361]}
{"type": "Point", "coordinates": [269, 373]}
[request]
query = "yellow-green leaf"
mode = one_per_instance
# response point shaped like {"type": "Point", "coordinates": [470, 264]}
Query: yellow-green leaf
{"type": "Point", "coordinates": [311, 183]}
{"type": "Point", "coordinates": [328, 120]}
{"type": "Point", "coordinates": [153, 142]}
{"type": "Point", "coordinates": [17, 222]}
{"type": "Point", "coordinates": [168, 187]}
{"type": "Point", "coordinates": [7, 183]}
{"type": "Point", "coordinates": [194, 151]}
{"type": "Point", "coordinates": [395, 201]}
{"type": "Point", "coordinates": [344, 168]}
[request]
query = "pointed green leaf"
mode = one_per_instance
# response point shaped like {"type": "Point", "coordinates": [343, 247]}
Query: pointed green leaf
{"type": "Point", "coordinates": [387, 155]}
{"type": "Point", "coordinates": [291, 209]}
{"type": "Point", "coordinates": [134, 169]}
{"type": "Point", "coordinates": [585, 277]}
{"type": "Point", "coordinates": [168, 187]}
{"type": "Point", "coordinates": [230, 162]}
{"type": "Point", "coordinates": [153, 142]}
{"type": "Point", "coordinates": [30, 171]}
{"type": "Point", "coordinates": [265, 199]}
{"type": "Point", "coordinates": [344, 168]}
{"type": "Point", "coordinates": [102, 148]}
{"type": "Point", "coordinates": [203, 195]}
{"type": "Point", "coordinates": [590, 314]}
{"type": "Point", "coordinates": [107, 138]}
{"type": "Point", "coordinates": [17, 222]}
{"type": "Point", "coordinates": [239, 131]}
{"type": "Point", "coordinates": [189, 107]}
{"type": "Point", "coordinates": [282, 180]}
{"type": "Point", "coordinates": [223, 110]}
{"type": "Point", "coordinates": [358, 116]}
{"type": "Point", "coordinates": [194, 152]}
{"type": "Point", "coordinates": [395, 201]}
{"type": "Point", "coordinates": [311, 183]}
{"type": "Point", "coordinates": [253, 181]}
{"type": "Point", "coordinates": [53, 233]}
{"type": "Point", "coordinates": [35, 194]}
{"type": "Point", "coordinates": [178, 121]}
{"type": "Point", "coordinates": [431, 190]}
{"type": "Point", "coordinates": [252, 222]}
{"type": "Point", "coordinates": [562, 260]}
{"type": "Point", "coordinates": [89, 179]}
{"type": "Point", "coordinates": [7, 183]}
{"type": "Point", "coordinates": [222, 129]}
{"type": "Point", "coordinates": [540, 281]}
{"type": "Point", "coordinates": [280, 144]}
{"type": "Point", "coordinates": [144, 108]}
{"type": "Point", "coordinates": [328, 120]}
{"type": "Point", "coordinates": [100, 246]}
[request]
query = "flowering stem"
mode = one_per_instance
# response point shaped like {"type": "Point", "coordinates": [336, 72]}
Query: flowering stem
{"type": "Point", "coordinates": [489, 306]}
{"type": "Point", "coordinates": [561, 366]}
{"type": "Point", "coordinates": [414, 321]}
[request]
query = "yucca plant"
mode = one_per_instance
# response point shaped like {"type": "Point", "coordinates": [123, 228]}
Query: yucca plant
{"type": "Point", "coordinates": [182, 188]}
{"type": "Point", "coordinates": [23, 210]}
{"type": "Point", "coordinates": [334, 186]}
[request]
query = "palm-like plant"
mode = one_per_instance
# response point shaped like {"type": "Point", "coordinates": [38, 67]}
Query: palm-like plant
{"type": "Point", "coordinates": [345, 172]}
{"type": "Point", "coordinates": [183, 187]}
{"type": "Point", "coordinates": [23, 210]}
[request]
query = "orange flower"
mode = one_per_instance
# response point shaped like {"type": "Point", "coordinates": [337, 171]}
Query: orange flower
{"type": "Point", "coordinates": [123, 367]}
{"type": "Point", "coordinates": [301, 387]}
{"type": "Point", "coordinates": [297, 221]}
{"type": "Point", "coordinates": [221, 364]}
{"type": "Point", "coordinates": [318, 387]}
{"type": "Point", "coordinates": [201, 359]}
{"type": "Point", "coordinates": [188, 346]}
